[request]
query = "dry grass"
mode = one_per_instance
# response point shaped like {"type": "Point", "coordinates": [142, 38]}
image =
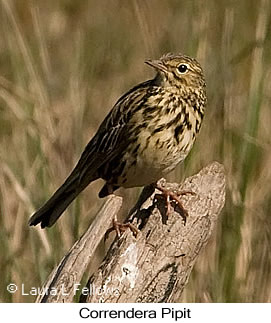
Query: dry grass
{"type": "Point", "coordinates": [63, 64]}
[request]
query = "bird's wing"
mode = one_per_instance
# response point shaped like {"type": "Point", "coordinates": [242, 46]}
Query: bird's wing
{"type": "Point", "coordinates": [100, 150]}
{"type": "Point", "coordinates": [111, 137]}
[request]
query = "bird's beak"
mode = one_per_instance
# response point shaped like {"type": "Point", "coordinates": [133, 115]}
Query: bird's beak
{"type": "Point", "coordinates": [156, 63]}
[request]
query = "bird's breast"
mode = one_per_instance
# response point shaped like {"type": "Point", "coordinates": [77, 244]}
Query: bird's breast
{"type": "Point", "coordinates": [161, 144]}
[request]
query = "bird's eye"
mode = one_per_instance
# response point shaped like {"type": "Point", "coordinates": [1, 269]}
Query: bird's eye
{"type": "Point", "coordinates": [182, 68]}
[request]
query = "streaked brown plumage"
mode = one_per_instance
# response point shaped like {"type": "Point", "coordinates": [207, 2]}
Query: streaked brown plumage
{"type": "Point", "coordinates": [148, 132]}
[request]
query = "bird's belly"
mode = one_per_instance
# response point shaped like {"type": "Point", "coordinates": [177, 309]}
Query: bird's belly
{"type": "Point", "coordinates": [145, 173]}
{"type": "Point", "coordinates": [152, 162]}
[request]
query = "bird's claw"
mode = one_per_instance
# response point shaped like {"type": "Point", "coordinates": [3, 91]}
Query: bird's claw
{"type": "Point", "coordinates": [170, 196]}
{"type": "Point", "coordinates": [121, 228]}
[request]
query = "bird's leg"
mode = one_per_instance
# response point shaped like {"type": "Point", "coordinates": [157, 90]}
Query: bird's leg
{"type": "Point", "coordinates": [171, 196]}
{"type": "Point", "coordinates": [120, 228]}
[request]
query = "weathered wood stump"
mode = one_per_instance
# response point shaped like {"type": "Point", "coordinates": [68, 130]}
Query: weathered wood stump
{"type": "Point", "coordinates": [155, 266]}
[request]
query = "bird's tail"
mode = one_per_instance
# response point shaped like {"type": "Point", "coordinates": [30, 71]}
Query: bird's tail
{"type": "Point", "coordinates": [57, 204]}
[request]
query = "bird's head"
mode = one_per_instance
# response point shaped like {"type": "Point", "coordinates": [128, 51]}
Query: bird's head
{"type": "Point", "coordinates": [178, 71]}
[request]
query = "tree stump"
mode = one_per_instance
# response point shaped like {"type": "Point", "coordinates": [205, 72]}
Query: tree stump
{"type": "Point", "coordinates": [153, 267]}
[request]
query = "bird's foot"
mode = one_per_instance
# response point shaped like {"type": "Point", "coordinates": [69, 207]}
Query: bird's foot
{"type": "Point", "coordinates": [120, 228]}
{"type": "Point", "coordinates": [170, 196]}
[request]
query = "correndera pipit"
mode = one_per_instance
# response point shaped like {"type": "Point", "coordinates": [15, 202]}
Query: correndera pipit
{"type": "Point", "coordinates": [149, 131]}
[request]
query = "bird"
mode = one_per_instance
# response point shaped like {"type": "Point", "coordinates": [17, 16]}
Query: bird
{"type": "Point", "coordinates": [148, 132]}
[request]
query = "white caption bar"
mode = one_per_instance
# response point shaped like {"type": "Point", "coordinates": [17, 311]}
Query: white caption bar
{"type": "Point", "coordinates": [137, 312]}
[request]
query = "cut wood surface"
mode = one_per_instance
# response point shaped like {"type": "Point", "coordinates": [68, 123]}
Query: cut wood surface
{"type": "Point", "coordinates": [154, 266]}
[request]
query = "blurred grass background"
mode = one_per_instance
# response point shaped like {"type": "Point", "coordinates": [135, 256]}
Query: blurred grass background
{"type": "Point", "coordinates": [64, 63]}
